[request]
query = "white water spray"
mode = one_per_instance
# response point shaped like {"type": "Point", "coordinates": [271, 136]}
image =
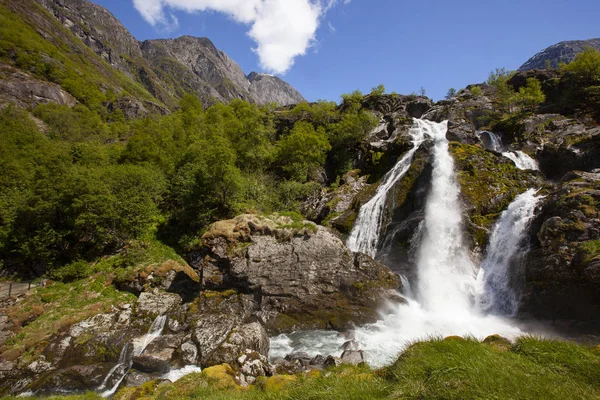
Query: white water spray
{"type": "Point", "coordinates": [365, 235]}
{"type": "Point", "coordinates": [521, 159]}
{"type": "Point", "coordinates": [128, 352]}
{"type": "Point", "coordinates": [506, 247]}
{"type": "Point", "coordinates": [446, 275]}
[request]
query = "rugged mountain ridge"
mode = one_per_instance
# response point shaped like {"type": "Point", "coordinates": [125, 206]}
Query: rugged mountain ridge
{"type": "Point", "coordinates": [563, 52]}
{"type": "Point", "coordinates": [167, 69]}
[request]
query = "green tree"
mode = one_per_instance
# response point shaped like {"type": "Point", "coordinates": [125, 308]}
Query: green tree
{"type": "Point", "coordinates": [585, 66]}
{"type": "Point", "coordinates": [302, 150]}
{"type": "Point", "coordinates": [531, 94]}
{"type": "Point", "coordinates": [476, 91]}
{"type": "Point", "coordinates": [378, 91]}
{"type": "Point", "coordinates": [451, 93]}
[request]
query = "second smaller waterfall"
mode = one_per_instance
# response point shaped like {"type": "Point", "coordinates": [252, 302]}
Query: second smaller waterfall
{"type": "Point", "coordinates": [364, 237]}
{"type": "Point", "coordinates": [506, 246]}
{"type": "Point", "coordinates": [130, 350]}
{"type": "Point", "coordinates": [521, 159]}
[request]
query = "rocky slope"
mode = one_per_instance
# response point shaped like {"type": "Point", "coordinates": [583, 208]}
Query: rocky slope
{"type": "Point", "coordinates": [164, 69]}
{"type": "Point", "coordinates": [158, 64]}
{"type": "Point", "coordinates": [249, 276]}
{"type": "Point", "coordinates": [563, 52]}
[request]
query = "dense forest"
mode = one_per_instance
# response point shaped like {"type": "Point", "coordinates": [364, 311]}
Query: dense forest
{"type": "Point", "coordinates": [79, 183]}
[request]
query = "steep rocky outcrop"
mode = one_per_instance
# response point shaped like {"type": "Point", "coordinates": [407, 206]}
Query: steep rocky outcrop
{"type": "Point", "coordinates": [266, 88]}
{"type": "Point", "coordinates": [562, 270]}
{"type": "Point", "coordinates": [26, 91]}
{"type": "Point", "coordinates": [300, 274]}
{"type": "Point", "coordinates": [168, 69]}
{"type": "Point", "coordinates": [563, 52]}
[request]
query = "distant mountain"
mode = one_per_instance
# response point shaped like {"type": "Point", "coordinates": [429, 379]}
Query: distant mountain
{"type": "Point", "coordinates": [154, 71]}
{"type": "Point", "coordinates": [563, 52]}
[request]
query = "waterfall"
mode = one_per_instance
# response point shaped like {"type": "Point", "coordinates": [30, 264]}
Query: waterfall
{"type": "Point", "coordinates": [495, 142]}
{"type": "Point", "coordinates": [505, 249]}
{"type": "Point", "coordinates": [443, 300]}
{"type": "Point", "coordinates": [364, 237]}
{"type": "Point", "coordinates": [522, 160]}
{"type": "Point", "coordinates": [131, 349]}
{"type": "Point", "coordinates": [446, 275]}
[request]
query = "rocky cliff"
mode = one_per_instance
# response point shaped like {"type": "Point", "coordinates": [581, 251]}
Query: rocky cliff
{"type": "Point", "coordinates": [165, 69]}
{"type": "Point", "coordinates": [563, 52]}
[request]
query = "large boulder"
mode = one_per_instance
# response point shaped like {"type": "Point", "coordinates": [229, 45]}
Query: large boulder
{"type": "Point", "coordinates": [300, 274]}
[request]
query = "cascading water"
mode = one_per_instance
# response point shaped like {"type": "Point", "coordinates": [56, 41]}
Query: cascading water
{"type": "Point", "coordinates": [505, 249]}
{"type": "Point", "coordinates": [444, 299]}
{"type": "Point", "coordinates": [130, 350]}
{"type": "Point", "coordinates": [364, 237]}
{"type": "Point", "coordinates": [446, 275]}
{"type": "Point", "coordinates": [522, 160]}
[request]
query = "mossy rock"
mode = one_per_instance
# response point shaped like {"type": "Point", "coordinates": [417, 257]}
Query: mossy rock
{"type": "Point", "coordinates": [221, 377]}
{"type": "Point", "coordinates": [278, 383]}
{"type": "Point", "coordinates": [489, 183]}
{"type": "Point", "coordinates": [498, 342]}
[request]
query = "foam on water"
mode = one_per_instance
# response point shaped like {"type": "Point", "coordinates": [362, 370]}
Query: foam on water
{"type": "Point", "coordinates": [176, 374]}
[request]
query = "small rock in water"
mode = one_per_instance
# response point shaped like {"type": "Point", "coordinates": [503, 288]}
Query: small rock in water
{"type": "Point", "coordinates": [350, 345]}
{"type": "Point", "coordinates": [354, 357]}
{"type": "Point", "coordinates": [301, 356]}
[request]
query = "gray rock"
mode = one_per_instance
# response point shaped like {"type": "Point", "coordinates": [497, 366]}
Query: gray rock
{"type": "Point", "coordinates": [353, 357]}
{"type": "Point", "coordinates": [252, 365]}
{"type": "Point", "coordinates": [252, 337]}
{"type": "Point", "coordinates": [22, 89]}
{"type": "Point", "coordinates": [158, 303]}
{"type": "Point", "coordinates": [313, 271]}
{"type": "Point", "coordinates": [189, 353]}
{"type": "Point", "coordinates": [332, 361]}
{"type": "Point", "coordinates": [350, 345]}
{"type": "Point", "coordinates": [136, 378]}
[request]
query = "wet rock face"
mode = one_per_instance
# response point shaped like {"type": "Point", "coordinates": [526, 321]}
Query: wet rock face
{"type": "Point", "coordinates": [562, 270]}
{"type": "Point", "coordinates": [300, 274]}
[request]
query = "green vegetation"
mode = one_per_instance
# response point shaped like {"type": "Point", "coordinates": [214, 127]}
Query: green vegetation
{"type": "Point", "coordinates": [78, 70]}
{"type": "Point", "coordinates": [586, 66]}
{"type": "Point", "coordinates": [476, 91]}
{"type": "Point", "coordinates": [452, 368]}
{"type": "Point", "coordinates": [93, 182]}
{"type": "Point", "coordinates": [49, 309]}
{"type": "Point", "coordinates": [451, 93]}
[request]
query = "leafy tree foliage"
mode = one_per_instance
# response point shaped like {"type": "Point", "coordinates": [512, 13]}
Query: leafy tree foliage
{"type": "Point", "coordinates": [93, 182]}
{"type": "Point", "coordinates": [586, 66]}
{"type": "Point", "coordinates": [451, 93]}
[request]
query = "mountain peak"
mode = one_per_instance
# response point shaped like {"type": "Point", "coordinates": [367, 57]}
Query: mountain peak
{"type": "Point", "coordinates": [562, 52]}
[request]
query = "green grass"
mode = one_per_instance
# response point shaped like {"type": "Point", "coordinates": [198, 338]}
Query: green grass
{"type": "Point", "coordinates": [453, 368]}
{"type": "Point", "coordinates": [47, 310]}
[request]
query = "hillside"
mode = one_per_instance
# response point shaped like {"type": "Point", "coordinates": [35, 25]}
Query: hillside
{"type": "Point", "coordinates": [154, 74]}
{"type": "Point", "coordinates": [555, 55]}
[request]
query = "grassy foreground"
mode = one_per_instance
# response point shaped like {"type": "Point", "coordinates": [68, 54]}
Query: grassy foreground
{"type": "Point", "coordinates": [452, 368]}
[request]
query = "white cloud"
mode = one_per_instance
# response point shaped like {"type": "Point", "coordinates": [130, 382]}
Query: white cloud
{"type": "Point", "coordinates": [331, 27]}
{"type": "Point", "coordinates": [282, 29]}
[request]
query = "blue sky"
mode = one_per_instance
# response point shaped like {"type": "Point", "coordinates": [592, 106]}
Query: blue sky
{"type": "Point", "coordinates": [403, 44]}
